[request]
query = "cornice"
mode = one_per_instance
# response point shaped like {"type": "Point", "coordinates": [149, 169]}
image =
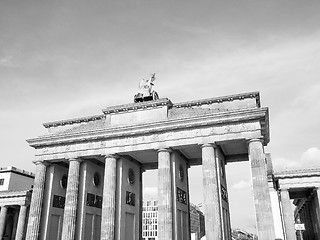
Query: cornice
{"type": "Point", "coordinates": [236, 116]}
{"type": "Point", "coordinates": [73, 121]}
{"type": "Point", "coordinates": [309, 172]}
{"type": "Point", "coordinates": [14, 193]}
{"type": "Point", "coordinates": [228, 98]}
{"type": "Point", "coordinates": [137, 106]}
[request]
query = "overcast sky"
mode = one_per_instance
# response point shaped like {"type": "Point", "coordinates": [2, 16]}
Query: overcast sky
{"type": "Point", "coordinates": [65, 59]}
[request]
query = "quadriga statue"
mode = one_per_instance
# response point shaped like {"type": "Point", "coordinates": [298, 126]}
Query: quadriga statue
{"type": "Point", "coordinates": [146, 93]}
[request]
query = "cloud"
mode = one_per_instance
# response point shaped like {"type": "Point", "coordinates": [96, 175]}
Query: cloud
{"type": "Point", "coordinates": [241, 184]}
{"type": "Point", "coordinates": [310, 158]}
{"type": "Point", "coordinates": [281, 163]}
{"type": "Point", "coordinates": [7, 62]}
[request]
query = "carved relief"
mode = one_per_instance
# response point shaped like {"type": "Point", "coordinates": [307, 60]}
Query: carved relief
{"type": "Point", "coordinates": [224, 193]}
{"type": "Point", "coordinates": [94, 200]}
{"type": "Point", "coordinates": [58, 201]}
{"type": "Point", "coordinates": [181, 196]}
{"type": "Point", "coordinates": [130, 198]}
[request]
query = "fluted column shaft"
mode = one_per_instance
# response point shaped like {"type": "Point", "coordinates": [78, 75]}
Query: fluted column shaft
{"type": "Point", "coordinates": [211, 193]}
{"type": "Point", "coordinates": [109, 199]}
{"type": "Point", "coordinates": [3, 216]}
{"type": "Point", "coordinates": [288, 217]}
{"type": "Point", "coordinates": [165, 217]}
{"type": "Point", "coordinates": [262, 200]}
{"type": "Point", "coordinates": [70, 208]}
{"type": "Point", "coordinates": [36, 202]}
{"type": "Point", "coordinates": [21, 222]}
{"type": "Point", "coordinates": [317, 208]}
{"type": "Point", "coordinates": [309, 227]}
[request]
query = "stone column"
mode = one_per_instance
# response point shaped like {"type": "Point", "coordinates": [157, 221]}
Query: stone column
{"type": "Point", "coordinates": [303, 219]}
{"type": "Point", "coordinates": [109, 198]}
{"type": "Point", "coordinates": [288, 217]}
{"type": "Point", "coordinates": [262, 200]}
{"type": "Point", "coordinates": [317, 208]}
{"type": "Point", "coordinates": [3, 216]}
{"type": "Point", "coordinates": [211, 196]}
{"type": "Point", "coordinates": [275, 201]}
{"type": "Point", "coordinates": [309, 227]}
{"type": "Point", "coordinates": [70, 208]}
{"type": "Point", "coordinates": [165, 217]}
{"type": "Point", "coordinates": [21, 222]}
{"type": "Point", "coordinates": [36, 202]}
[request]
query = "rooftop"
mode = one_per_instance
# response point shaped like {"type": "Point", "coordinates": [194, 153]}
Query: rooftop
{"type": "Point", "coordinates": [16, 170]}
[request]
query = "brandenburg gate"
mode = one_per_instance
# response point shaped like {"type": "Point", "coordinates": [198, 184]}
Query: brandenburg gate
{"type": "Point", "coordinates": [88, 181]}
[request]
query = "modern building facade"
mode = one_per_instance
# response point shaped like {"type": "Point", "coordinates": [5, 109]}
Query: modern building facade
{"type": "Point", "coordinates": [88, 182]}
{"type": "Point", "coordinates": [150, 221]}
{"type": "Point", "coordinates": [197, 223]}
{"type": "Point", "coordinates": [15, 196]}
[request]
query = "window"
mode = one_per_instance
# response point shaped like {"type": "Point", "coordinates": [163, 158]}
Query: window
{"type": "Point", "coordinates": [1, 181]}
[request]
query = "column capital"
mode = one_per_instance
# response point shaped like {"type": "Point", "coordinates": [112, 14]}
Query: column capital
{"type": "Point", "coordinates": [75, 159]}
{"type": "Point", "coordinates": [209, 145]}
{"type": "Point", "coordinates": [255, 140]}
{"type": "Point", "coordinates": [169, 150]}
{"type": "Point", "coordinates": [111, 155]}
{"type": "Point", "coordinates": [39, 162]}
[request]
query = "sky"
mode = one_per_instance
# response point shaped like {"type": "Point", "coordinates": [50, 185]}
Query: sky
{"type": "Point", "coordinates": [67, 59]}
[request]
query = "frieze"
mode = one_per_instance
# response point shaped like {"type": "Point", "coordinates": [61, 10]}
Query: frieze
{"type": "Point", "coordinates": [103, 144]}
{"type": "Point", "coordinates": [125, 144]}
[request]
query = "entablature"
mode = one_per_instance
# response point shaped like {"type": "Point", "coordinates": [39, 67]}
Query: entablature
{"type": "Point", "coordinates": [218, 120]}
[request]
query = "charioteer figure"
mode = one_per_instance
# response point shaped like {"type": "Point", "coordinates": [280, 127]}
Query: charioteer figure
{"type": "Point", "coordinates": [146, 93]}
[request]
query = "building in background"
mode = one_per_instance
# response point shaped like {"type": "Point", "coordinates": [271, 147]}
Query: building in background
{"type": "Point", "coordinates": [15, 196]}
{"type": "Point", "coordinates": [150, 221]}
{"type": "Point", "coordinates": [197, 224]}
